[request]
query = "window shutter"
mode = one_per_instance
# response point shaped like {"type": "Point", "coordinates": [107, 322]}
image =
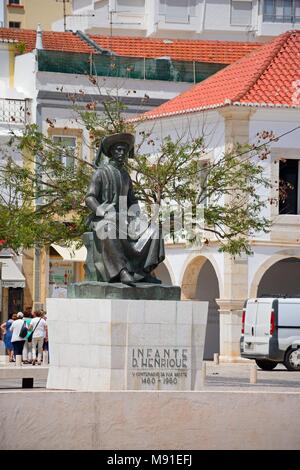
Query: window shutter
{"type": "Point", "coordinates": [177, 11]}
{"type": "Point", "coordinates": [241, 13]}
{"type": "Point", "coordinates": [134, 6]}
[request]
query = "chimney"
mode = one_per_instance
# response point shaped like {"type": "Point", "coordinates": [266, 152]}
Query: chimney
{"type": "Point", "coordinates": [39, 38]}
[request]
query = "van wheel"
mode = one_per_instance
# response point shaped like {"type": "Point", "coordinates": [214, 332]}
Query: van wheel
{"type": "Point", "coordinates": [292, 359]}
{"type": "Point", "coordinates": [264, 364]}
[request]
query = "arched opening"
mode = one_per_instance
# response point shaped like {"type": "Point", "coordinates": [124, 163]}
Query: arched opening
{"type": "Point", "coordinates": [200, 282]}
{"type": "Point", "coordinates": [208, 289]}
{"type": "Point", "coordinates": [282, 279]}
{"type": "Point", "coordinates": [162, 273]}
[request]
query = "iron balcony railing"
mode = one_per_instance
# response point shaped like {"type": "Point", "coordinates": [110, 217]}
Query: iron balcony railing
{"type": "Point", "coordinates": [14, 111]}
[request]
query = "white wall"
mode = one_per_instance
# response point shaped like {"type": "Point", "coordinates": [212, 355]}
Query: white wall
{"type": "Point", "coordinates": [25, 74]}
{"type": "Point", "coordinates": [280, 121]}
{"type": "Point", "coordinates": [72, 83]}
{"type": "Point", "coordinates": [2, 2]}
{"type": "Point", "coordinates": [210, 19]}
{"type": "Point", "coordinates": [4, 69]}
{"type": "Point", "coordinates": [209, 124]}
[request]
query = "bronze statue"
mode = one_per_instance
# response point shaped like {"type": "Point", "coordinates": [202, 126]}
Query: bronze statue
{"type": "Point", "coordinates": [114, 255]}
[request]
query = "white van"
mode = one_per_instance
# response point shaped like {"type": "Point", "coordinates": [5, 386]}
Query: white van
{"type": "Point", "coordinates": [271, 332]}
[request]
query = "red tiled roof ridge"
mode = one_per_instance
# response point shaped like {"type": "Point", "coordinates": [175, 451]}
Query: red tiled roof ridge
{"type": "Point", "coordinates": [274, 52]}
{"type": "Point", "coordinates": [189, 50]}
{"type": "Point", "coordinates": [198, 50]}
{"type": "Point", "coordinates": [66, 41]}
{"type": "Point", "coordinates": [250, 81]}
{"type": "Point", "coordinates": [23, 31]}
{"type": "Point", "coordinates": [226, 101]}
{"type": "Point", "coordinates": [180, 40]}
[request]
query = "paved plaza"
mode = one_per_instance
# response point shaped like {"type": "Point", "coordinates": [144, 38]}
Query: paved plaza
{"type": "Point", "coordinates": [223, 377]}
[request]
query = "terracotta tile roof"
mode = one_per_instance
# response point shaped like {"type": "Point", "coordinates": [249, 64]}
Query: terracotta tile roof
{"type": "Point", "coordinates": [220, 52]}
{"type": "Point", "coordinates": [263, 77]}
{"type": "Point", "coordinates": [52, 41]}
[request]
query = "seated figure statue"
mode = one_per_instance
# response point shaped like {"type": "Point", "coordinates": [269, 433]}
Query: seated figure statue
{"type": "Point", "coordinates": [114, 253]}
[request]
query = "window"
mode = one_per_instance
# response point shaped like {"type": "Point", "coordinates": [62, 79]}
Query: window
{"type": "Point", "coordinates": [70, 144]}
{"type": "Point", "coordinates": [13, 2]}
{"type": "Point", "coordinates": [177, 11]}
{"type": "Point", "coordinates": [289, 188]}
{"type": "Point", "coordinates": [14, 24]}
{"type": "Point", "coordinates": [281, 11]}
{"type": "Point", "coordinates": [241, 13]}
{"type": "Point", "coordinates": [130, 6]}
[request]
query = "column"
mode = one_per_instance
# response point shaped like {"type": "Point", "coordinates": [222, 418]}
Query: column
{"type": "Point", "coordinates": [230, 329]}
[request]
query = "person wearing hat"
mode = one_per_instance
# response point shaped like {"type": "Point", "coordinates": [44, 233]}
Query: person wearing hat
{"type": "Point", "coordinates": [117, 255]}
{"type": "Point", "coordinates": [17, 341]}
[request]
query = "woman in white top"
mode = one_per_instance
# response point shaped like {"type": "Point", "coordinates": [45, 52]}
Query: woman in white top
{"type": "Point", "coordinates": [39, 328]}
{"type": "Point", "coordinates": [17, 340]}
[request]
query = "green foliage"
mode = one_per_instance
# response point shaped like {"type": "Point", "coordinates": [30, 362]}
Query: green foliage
{"type": "Point", "coordinates": [43, 201]}
{"type": "Point", "coordinates": [226, 188]}
{"type": "Point", "coordinates": [21, 47]}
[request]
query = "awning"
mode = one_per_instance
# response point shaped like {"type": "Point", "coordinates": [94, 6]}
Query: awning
{"type": "Point", "coordinates": [11, 274]}
{"type": "Point", "coordinates": [70, 254]}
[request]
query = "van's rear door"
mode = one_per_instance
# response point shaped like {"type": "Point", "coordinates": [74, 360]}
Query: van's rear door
{"type": "Point", "coordinates": [249, 326]}
{"type": "Point", "coordinates": [257, 326]}
{"type": "Point", "coordinates": [262, 327]}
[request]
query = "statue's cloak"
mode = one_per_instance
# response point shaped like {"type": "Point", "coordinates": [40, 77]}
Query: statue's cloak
{"type": "Point", "coordinates": [113, 248]}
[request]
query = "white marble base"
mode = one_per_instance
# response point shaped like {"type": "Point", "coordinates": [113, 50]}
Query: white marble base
{"type": "Point", "coordinates": [97, 344]}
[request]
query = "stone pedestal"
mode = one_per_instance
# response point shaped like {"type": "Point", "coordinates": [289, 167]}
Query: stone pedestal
{"type": "Point", "coordinates": [103, 344]}
{"type": "Point", "coordinates": [106, 290]}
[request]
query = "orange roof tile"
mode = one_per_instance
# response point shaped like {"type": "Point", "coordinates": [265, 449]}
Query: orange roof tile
{"type": "Point", "coordinates": [264, 77]}
{"type": "Point", "coordinates": [221, 52]}
{"type": "Point", "coordinates": [52, 41]}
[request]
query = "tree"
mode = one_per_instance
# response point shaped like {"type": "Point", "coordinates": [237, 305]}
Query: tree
{"type": "Point", "coordinates": [43, 201]}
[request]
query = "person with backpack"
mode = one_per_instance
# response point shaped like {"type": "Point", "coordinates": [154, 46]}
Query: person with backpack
{"type": "Point", "coordinates": [38, 327]}
{"type": "Point", "coordinates": [27, 345]}
{"type": "Point", "coordinates": [19, 332]}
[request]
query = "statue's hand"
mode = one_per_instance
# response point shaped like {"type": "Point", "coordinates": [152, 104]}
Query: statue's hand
{"type": "Point", "coordinates": [104, 209]}
{"type": "Point", "coordinates": [100, 212]}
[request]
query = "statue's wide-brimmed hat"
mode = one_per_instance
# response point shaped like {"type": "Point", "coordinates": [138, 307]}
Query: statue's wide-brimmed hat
{"type": "Point", "coordinates": [110, 140]}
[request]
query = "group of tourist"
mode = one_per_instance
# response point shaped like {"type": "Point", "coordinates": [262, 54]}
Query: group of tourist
{"type": "Point", "coordinates": [26, 335]}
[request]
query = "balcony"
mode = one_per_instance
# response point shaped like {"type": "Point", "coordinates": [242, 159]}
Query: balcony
{"type": "Point", "coordinates": [14, 112]}
{"type": "Point", "coordinates": [126, 67]}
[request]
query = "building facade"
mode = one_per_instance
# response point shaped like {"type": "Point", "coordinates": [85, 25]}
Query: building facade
{"type": "Point", "coordinates": [35, 86]}
{"type": "Point", "coordinates": [29, 13]}
{"type": "Point", "coordinates": [230, 20]}
{"type": "Point", "coordinates": [258, 93]}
